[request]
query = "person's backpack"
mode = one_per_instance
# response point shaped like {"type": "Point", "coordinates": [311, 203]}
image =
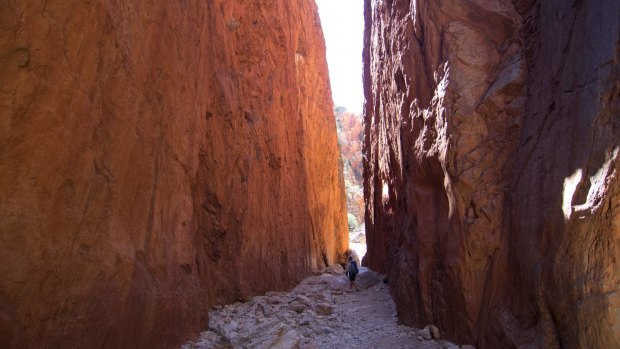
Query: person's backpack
{"type": "Point", "coordinates": [353, 268]}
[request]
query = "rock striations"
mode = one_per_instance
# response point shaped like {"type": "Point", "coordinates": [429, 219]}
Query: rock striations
{"type": "Point", "coordinates": [491, 146]}
{"type": "Point", "coordinates": [156, 159]}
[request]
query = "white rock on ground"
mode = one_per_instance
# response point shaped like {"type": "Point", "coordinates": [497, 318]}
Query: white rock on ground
{"type": "Point", "coordinates": [321, 312]}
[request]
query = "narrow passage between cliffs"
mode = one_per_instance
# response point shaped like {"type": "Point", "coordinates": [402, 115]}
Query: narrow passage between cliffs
{"type": "Point", "coordinates": [343, 29]}
{"type": "Point", "coordinates": [321, 312]}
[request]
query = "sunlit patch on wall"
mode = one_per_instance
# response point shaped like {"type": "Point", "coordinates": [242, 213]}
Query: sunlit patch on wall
{"type": "Point", "coordinates": [570, 185]}
{"type": "Point", "coordinates": [385, 194]}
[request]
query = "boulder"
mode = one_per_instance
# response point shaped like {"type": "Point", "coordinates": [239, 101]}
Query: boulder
{"type": "Point", "coordinates": [335, 269]}
{"type": "Point", "coordinates": [324, 309]}
{"type": "Point", "coordinates": [425, 333]}
{"type": "Point", "coordinates": [366, 278]}
{"type": "Point", "coordinates": [274, 300]}
{"type": "Point", "coordinates": [288, 339]}
{"type": "Point", "coordinates": [304, 300]}
{"type": "Point", "coordinates": [264, 309]}
{"type": "Point", "coordinates": [338, 284]}
{"type": "Point", "coordinates": [297, 307]}
{"type": "Point", "coordinates": [434, 331]}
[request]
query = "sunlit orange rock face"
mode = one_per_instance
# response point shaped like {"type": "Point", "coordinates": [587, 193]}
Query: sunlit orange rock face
{"type": "Point", "coordinates": [157, 158]}
{"type": "Point", "coordinates": [491, 146]}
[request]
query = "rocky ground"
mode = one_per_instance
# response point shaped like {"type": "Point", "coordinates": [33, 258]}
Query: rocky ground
{"type": "Point", "coordinates": [321, 312]}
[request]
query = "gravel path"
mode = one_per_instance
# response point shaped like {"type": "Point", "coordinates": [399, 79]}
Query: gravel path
{"type": "Point", "coordinates": [321, 312]}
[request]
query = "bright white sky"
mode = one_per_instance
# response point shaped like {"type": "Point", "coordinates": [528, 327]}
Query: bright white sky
{"type": "Point", "coordinates": [343, 27]}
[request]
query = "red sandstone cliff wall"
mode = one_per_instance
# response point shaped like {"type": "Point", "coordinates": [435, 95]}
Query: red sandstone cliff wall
{"type": "Point", "coordinates": [490, 173]}
{"type": "Point", "coordinates": [156, 158]}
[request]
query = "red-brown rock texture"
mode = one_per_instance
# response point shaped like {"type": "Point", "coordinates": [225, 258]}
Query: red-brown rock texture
{"type": "Point", "coordinates": [157, 158]}
{"type": "Point", "coordinates": [491, 145]}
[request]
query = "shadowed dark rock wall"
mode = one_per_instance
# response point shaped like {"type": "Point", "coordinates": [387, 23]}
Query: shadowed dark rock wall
{"type": "Point", "coordinates": [490, 173]}
{"type": "Point", "coordinates": [156, 159]}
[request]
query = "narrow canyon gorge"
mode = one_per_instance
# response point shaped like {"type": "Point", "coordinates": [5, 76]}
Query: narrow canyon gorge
{"type": "Point", "coordinates": [162, 159]}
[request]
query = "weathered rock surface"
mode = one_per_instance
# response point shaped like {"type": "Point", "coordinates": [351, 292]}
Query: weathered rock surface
{"type": "Point", "coordinates": [156, 159]}
{"type": "Point", "coordinates": [491, 147]}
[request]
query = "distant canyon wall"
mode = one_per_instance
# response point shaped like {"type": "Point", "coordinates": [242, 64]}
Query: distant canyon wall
{"type": "Point", "coordinates": [491, 145]}
{"type": "Point", "coordinates": [156, 159]}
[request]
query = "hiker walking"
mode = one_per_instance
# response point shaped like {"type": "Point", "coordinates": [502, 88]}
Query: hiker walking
{"type": "Point", "coordinates": [353, 254]}
{"type": "Point", "coordinates": [351, 270]}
